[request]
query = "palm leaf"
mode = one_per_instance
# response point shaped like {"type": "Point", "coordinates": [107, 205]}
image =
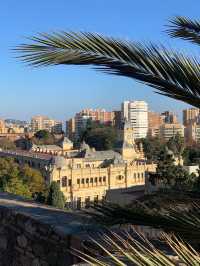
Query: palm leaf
{"type": "Point", "coordinates": [125, 250]}
{"type": "Point", "coordinates": [184, 28]}
{"type": "Point", "coordinates": [185, 223]}
{"type": "Point", "coordinates": [171, 74]}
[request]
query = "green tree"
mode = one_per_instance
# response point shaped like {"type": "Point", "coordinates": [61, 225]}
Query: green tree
{"type": "Point", "coordinates": [16, 186]}
{"type": "Point", "coordinates": [7, 144]}
{"type": "Point", "coordinates": [43, 137]}
{"type": "Point", "coordinates": [99, 136]}
{"type": "Point", "coordinates": [56, 197]}
{"type": "Point", "coordinates": [176, 144]}
{"type": "Point", "coordinates": [34, 179]}
{"type": "Point", "coordinates": [152, 147]}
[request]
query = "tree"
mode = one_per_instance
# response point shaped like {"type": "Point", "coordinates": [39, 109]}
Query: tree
{"type": "Point", "coordinates": [55, 196]}
{"type": "Point", "coordinates": [16, 186]}
{"type": "Point", "coordinates": [176, 144]}
{"type": "Point", "coordinates": [99, 136]}
{"type": "Point", "coordinates": [171, 73]}
{"type": "Point", "coordinates": [7, 144]}
{"type": "Point", "coordinates": [43, 137]}
{"type": "Point", "coordinates": [34, 179]}
{"type": "Point", "coordinates": [152, 147]}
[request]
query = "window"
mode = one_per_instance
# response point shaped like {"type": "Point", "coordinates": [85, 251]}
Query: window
{"type": "Point", "coordinates": [58, 181]}
{"type": "Point", "coordinates": [78, 165]}
{"type": "Point", "coordinates": [78, 203]}
{"type": "Point", "coordinates": [138, 175]}
{"type": "Point", "coordinates": [64, 181]}
{"type": "Point", "coordinates": [82, 181]}
{"type": "Point", "coordinates": [87, 165]}
{"type": "Point", "coordinates": [87, 180]}
{"type": "Point", "coordinates": [96, 199]}
{"type": "Point", "coordinates": [95, 180]}
{"type": "Point", "coordinates": [87, 202]}
{"type": "Point", "coordinates": [120, 177]}
{"type": "Point", "coordinates": [78, 181]}
{"type": "Point", "coordinates": [91, 180]}
{"type": "Point", "coordinates": [104, 178]}
{"type": "Point", "coordinates": [100, 179]}
{"type": "Point", "coordinates": [69, 182]}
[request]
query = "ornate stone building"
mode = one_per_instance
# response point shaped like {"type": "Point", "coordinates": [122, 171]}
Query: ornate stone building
{"type": "Point", "coordinates": [85, 175]}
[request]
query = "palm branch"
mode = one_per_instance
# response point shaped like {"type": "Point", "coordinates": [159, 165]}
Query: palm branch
{"type": "Point", "coordinates": [185, 223]}
{"type": "Point", "coordinates": [184, 28]}
{"type": "Point", "coordinates": [172, 74]}
{"type": "Point", "coordinates": [124, 250]}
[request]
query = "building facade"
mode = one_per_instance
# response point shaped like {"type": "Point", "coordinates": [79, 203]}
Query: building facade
{"type": "Point", "coordinates": [45, 123]}
{"type": "Point", "coordinates": [190, 116]}
{"type": "Point", "coordinates": [137, 113]}
{"type": "Point", "coordinates": [85, 175]}
{"type": "Point", "coordinates": [155, 120]}
{"type": "Point", "coordinates": [168, 131]}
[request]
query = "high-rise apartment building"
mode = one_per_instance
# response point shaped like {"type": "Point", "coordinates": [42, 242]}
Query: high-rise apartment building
{"type": "Point", "coordinates": [190, 116]}
{"type": "Point", "coordinates": [70, 128]}
{"type": "Point", "coordinates": [168, 130]}
{"type": "Point", "coordinates": [169, 117]}
{"type": "Point", "coordinates": [45, 123]}
{"type": "Point", "coordinates": [155, 120]}
{"type": "Point", "coordinates": [136, 112]}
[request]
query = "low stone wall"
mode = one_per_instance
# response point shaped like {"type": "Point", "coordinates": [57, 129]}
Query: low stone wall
{"type": "Point", "coordinates": [33, 234]}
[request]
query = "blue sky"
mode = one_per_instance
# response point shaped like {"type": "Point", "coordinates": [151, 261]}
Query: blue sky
{"type": "Point", "coordinates": [61, 91]}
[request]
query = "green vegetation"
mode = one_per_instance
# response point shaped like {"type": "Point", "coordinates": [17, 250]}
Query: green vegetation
{"type": "Point", "coordinates": [43, 137]}
{"type": "Point", "coordinates": [7, 144]}
{"type": "Point", "coordinates": [18, 180]}
{"type": "Point", "coordinates": [55, 196]}
{"type": "Point", "coordinates": [170, 73]}
{"type": "Point", "coordinates": [101, 137]}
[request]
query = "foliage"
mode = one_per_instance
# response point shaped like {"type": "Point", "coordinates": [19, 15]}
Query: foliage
{"type": "Point", "coordinates": [33, 178]}
{"type": "Point", "coordinates": [43, 137]}
{"type": "Point", "coordinates": [23, 181]}
{"type": "Point", "coordinates": [191, 155]}
{"type": "Point", "coordinates": [56, 197]}
{"type": "Point", "coordinates": [99, 136]}
{"type": "Point", "coordinates": [125, 249]}
{"type": "Point", "coordinates": [17, 186]}
{"type": "Point", "coordinates": [152, 147]}
{"type": "Point", "coordinates": [176, 144]}
{"type": "Point", "coordinates": [7, 144]}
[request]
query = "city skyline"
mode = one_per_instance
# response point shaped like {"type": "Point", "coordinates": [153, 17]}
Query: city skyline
{"type": "Point", "coordinates": [63, 89]}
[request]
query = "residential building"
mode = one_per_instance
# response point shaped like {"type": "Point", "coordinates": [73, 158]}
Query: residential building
{"type": "Point", "coordinates": [86, 175]}
{"type": "Point", "coordinates": [70, 128]}
{"type": "Point", "coordinates": [45, 123]}
{"type": "Point", "coordinates": [2, 126]}
{"type": "Point", "coordinates": [170, 130]}
{"type": "Point", "coordinates": [137, 113]}
{"type": "Point", "coordinates": [192, 133]}
{"type": "Point", "coordinates": [169, 117]}
{"type": "Point", "coordinates": [99, 115]}
{"type": "Point", "coordinates": [155, 120]}
{"type": "Point", "coordinates": [190, 116]}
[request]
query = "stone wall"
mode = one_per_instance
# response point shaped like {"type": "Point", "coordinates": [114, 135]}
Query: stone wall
{"type": "Point", "coordinates": [33, 234]}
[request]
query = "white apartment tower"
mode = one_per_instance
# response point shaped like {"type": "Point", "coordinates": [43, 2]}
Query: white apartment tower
{"type": "Point", "coordinates": [136, 112]}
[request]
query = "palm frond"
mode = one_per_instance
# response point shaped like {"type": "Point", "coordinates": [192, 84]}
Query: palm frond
{"type": "Point", "coordinates": [185, 223]}
{"type": "Point", "coordinates": [185, 28]}
{"type": "Point", "coordinates": [124, 249]}
{"type": "Point", "coordinates": [171, 74]}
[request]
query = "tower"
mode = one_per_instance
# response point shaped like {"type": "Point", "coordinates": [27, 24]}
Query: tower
{"type": "Point", "coordinates": [128, 143]}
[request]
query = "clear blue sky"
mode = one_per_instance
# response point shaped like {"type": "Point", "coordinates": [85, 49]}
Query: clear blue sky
{"type": "Point", "coordinates": [61, 91]}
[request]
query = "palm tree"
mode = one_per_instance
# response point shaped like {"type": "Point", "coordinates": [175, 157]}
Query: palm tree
{"type": "Point", "coordinates": [170, 73]}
